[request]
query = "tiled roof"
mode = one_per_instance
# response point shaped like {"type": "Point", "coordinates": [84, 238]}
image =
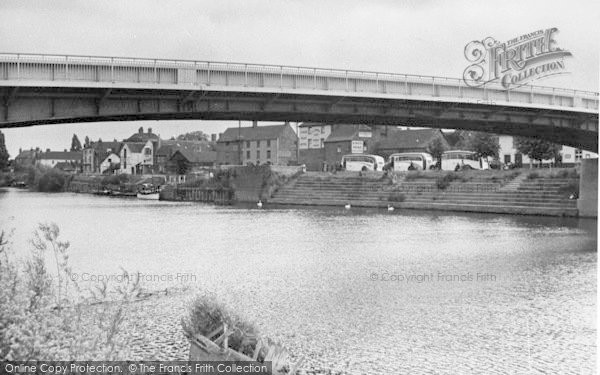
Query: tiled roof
{"type": "Point", "coordinates": [346, 132]}
{"type": "Point", "coordinates": [142, 137]}
{"type": "Point", "coordinates": [102, 148]}
{"type": "Point", "coordinates": [411, 138]}
{"type": "Point", "coordinates": [169, 147]}
{"type": "Point", "coordinates": [61, 155]}
{"type": "Point", "coordinates": [252, 134]}
{"type": "Point", "coordinates": [27, 154]}
{"type": "Point", "coordinates": [198, 157]}
{"type": "Point", "coordinates": [136, 147]}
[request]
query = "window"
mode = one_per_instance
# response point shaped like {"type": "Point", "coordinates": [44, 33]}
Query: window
{"type": "Point", "coordinates": [268, 143]}
{"type": "Point", "coordinates": [578, 154]}
{"type": "Point", "coordinates": [258, 154]}
{"type": "Point", "coordinates": [506, 159]}
{"type": "Point", "coordinates": [147, 151]}
{"type": "Point", "coordinates": [248, 145]}
{"type": "Point", "coordinates": [248, 154]}
{"type": "Point", "coordinates": [257, 144]}
{"type": "Point", "coordinates": [339, 149]}
{"type": "Point", "coordinates": [268, 154]}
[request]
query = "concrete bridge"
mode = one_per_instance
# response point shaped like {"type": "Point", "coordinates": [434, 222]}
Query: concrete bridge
{"type": "Point", "coordinates": [51, 89]}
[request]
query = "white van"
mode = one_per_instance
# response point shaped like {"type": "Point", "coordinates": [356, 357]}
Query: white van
{"type": "Point", "coordinates": [359, 162]}
{"type": "Point", "coordinates": [462, 159]}
{"type": "Point", "coordinates": [403, 160]}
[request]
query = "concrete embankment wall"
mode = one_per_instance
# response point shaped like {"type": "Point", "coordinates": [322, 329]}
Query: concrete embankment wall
{"type": "Point", "coordinates": [588, 188]}
{"type": "Point", "coordinates": [195, 194]}
{"type": "Point", "coordinates": [251, 184]}
{"type": "Point", "coordinates": [531, 195]}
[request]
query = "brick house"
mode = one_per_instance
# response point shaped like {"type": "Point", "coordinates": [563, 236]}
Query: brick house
{"type": "Point", "coordinates": [409, 140]}
{"type": "Point", "coordinates": [271, 144]}
{"type": "Point", "coordinates": [26, 158]}
{"type": "Point", "coordinates": [198, 153]}
{"type": "Point", "coordinates": [98, 154]}
{"type": "Point", "coordinates": [349, 139]}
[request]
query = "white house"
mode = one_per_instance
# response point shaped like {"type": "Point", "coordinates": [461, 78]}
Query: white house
{"type": "Point", "coordinates": [53, 158]}
{"type": "Point", "coordinates": [508, 153]}
{"type": "Point", "coordinates": [112, 159]}
{"type": "Point", "coordinates": [136, 157]}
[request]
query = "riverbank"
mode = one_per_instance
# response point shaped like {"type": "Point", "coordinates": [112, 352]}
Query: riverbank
{"type": "Point", "coordinates": [521, 192]}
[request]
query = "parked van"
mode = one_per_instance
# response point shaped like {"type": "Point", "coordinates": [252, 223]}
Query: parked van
{"type": "Point", "coordinates": [458, 159]}
{"type": "Point", "coordinates": [363, 162]}
{"type": "Point", "coordinates": [402, 161]}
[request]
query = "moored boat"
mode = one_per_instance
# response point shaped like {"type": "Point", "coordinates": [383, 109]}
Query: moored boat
{"type": "Point", "coordinates": [148, 192]}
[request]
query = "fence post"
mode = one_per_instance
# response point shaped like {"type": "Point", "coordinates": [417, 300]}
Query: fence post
{"type": "Point", "coordinates": [346, 80]}
{"type": "Point", "coordinates": [208, 74]}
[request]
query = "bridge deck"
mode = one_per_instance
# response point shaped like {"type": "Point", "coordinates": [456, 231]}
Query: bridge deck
{"type": "Point", "coordinates": [96, 71]}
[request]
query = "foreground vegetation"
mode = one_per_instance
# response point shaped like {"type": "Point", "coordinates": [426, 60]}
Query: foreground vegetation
{"type": "Point", "coordinates": [45, 315]}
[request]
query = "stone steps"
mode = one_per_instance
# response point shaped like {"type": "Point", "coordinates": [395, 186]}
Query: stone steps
{"type": "Point", "coordinates": [523, 196]}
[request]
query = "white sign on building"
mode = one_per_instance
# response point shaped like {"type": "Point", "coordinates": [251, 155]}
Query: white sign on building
{"type": "Point", "coordinates": [313, 137]}
{"type": "Point", "coordinates": [357, 147]}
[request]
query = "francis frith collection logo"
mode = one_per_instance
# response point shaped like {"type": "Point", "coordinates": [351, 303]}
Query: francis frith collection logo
{"type": "Point", "coordinates": [516, 62]}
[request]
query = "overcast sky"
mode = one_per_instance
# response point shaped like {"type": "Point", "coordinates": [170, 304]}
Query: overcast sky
{"type": "Point", "coordinates": [416, 37]}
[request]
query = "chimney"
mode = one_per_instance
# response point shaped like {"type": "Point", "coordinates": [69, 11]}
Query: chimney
{"type": "Point", "coordinates": [48, 150]}
{"type": "Point", "coordinates": [286, 123]}
{"type": "Point", "coordinates": [213, 137]}
{"type": "Point", "coordinates": [149, 130]}
{"type": "Point", "coordinates": [254, 124]}
{"type": "Point", "coordinates": [220, 135]}
{"type": "Point", "coordinates": [141, 130]}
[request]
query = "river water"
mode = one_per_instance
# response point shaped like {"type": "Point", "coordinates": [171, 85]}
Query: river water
{"type": "Point", "coordinates": [361, 291]}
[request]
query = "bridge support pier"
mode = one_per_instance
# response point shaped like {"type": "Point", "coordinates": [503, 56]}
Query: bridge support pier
{"type": "Point", "coordinates": [587, 204]}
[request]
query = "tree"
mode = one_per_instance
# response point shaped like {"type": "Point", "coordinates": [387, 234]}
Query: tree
{"type": "Point", "coordinates": [3, 153]}
{"type": "Point", "coordinates": [197, 135]}
{"type": "Point", "coordinates": [182, 165]}
{"type": "Point", "coordinates": [75, 144]}
{"type": "Point", "coordinates": [436, 148]}
{"type": "Point", "coordinates": [484, 144]}
{"type": "Point", "coordinates": [537, 149]}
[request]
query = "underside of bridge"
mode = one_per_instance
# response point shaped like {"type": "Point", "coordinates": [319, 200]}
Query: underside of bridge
{"type": "Point", "coordinates": [28, 106]}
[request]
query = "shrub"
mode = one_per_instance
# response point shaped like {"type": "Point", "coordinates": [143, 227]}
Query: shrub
{"type": "Point", "coordinates": [444, 181]}
{"type": "Point", "coordinates": [565, 173]}
{"type": "Point", "coordinates": [43, 314]}
{"type": "Point", "coordinates": [396, 197]}
{"type": "Point", "coordinates": [532, 176]}
{"type": "Point", "coordinates": [570, 188]}
{"type": "Point", "coordinates": [413, 175]}
{"type": "Point", "coordinates": [52, 180]}
{"type": "Point", "coordinates": [206, 315]}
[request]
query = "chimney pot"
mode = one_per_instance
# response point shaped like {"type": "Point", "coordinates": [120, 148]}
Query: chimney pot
{"type": "Point", "coordinates": [254, 124]}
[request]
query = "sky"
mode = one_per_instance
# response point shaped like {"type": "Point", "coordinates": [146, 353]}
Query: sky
{"type": "Point", "coordinates": [399, 36]}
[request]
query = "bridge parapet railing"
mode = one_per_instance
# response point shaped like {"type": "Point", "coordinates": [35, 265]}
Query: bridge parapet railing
{"type": "Point", "coordinates": [205, 73]}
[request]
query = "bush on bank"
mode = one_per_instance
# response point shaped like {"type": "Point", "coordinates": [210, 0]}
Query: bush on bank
{"type": "Point", "coordinates": [44, 314]}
